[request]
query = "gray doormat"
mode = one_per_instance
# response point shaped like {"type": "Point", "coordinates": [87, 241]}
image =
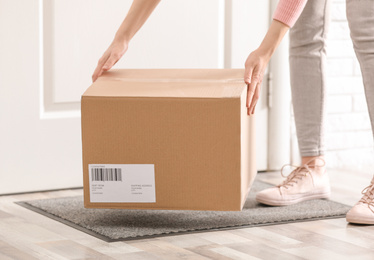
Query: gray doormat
{"type": "Point", "coordinates": [125, 224]}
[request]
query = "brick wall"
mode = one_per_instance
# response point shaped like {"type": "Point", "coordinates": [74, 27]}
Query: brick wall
{"type": "Point", "coordinates": [349, 139]}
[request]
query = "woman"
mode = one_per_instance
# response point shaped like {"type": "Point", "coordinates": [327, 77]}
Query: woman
{"type": "Point", "coordinates": [308, 21]}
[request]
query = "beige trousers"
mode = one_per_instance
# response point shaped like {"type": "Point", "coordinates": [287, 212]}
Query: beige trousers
{"type": "Point", "coordinates": [308, 66]}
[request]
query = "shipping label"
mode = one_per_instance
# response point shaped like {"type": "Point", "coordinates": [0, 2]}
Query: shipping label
{"type": "Point", "coordinates": [122, 183]}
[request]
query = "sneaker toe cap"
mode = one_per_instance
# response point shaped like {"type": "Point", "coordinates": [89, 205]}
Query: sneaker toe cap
{"type": "Point", "coordinates": [361, 214]}
{"type": "Point", "coordinates": [270, 193]}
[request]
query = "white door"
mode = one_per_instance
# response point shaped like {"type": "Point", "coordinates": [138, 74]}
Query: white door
{"type": "Point", "coordinates": [49, 49]}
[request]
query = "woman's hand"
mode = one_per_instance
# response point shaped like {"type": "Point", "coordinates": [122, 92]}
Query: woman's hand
{"type": "Point", "coordinates": [255, 66]}
{"type": "Point", "coordinates": [110, 57]}
{"type": "Point", "coordinates": [258, 60]}
{"type": "Point", "coordinates": [139, 12]}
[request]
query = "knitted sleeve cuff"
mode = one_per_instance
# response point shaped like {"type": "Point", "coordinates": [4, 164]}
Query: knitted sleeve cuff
{"type": "Point", "coordinates": [288, 11]}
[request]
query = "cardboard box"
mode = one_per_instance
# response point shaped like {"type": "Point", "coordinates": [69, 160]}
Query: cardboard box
{"type": "Point", "coordinates": [168, 139]}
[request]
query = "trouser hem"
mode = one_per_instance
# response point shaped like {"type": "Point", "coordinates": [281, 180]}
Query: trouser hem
{"type": "Point", "coordinates": [312, 153]}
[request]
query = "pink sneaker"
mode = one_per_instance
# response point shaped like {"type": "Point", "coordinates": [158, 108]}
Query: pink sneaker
{"type": "Point", "coordinates": [363, 211]}
{"type": "Point", "coordinates": [303, 183]}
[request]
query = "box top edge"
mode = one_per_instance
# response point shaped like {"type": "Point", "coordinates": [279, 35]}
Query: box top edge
{"type": "Point", "coordinates": [202, 83]}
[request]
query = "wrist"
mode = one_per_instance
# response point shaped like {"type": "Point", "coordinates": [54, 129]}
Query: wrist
{"type": "Point", "coordinates": [121, 39]}
{"type": "Point", "coordinates": [265, 52]}
{"type": "Point", "coordinates": [272, 39]}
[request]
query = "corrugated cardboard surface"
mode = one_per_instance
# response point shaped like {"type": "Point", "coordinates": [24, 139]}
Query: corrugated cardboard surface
{"type": "Point", "coordinates": [191, 124]}
{"type": "Point", "coordinates": [248, 149]}
{"type": "Point", "coordinates": [169, 83]}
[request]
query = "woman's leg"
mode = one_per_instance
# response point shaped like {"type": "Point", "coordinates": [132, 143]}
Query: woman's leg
{"type": "Point", "coordinates": [308, 77]}
{"type": "Point", "coordinates": [360, 14]}
{"type": "Point", "coordinates": [307, 65]}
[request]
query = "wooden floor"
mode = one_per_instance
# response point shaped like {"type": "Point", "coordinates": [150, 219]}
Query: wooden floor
{"type": "Point", "coordinates": [25, 234]}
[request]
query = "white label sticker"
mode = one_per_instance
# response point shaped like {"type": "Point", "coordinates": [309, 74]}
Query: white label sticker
{"type": "Point", "coordinates": [122, 183]}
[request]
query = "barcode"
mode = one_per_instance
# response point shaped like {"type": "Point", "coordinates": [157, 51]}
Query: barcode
{"type": "Point", "coordinates": [106, 174]}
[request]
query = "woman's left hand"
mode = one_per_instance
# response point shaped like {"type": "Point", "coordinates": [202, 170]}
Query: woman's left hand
{"type": "Point", "coordinates": [255, 67]}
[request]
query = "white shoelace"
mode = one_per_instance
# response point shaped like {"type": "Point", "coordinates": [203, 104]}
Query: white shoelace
{"type": "Point", "coordinates": [299, 173]}
{"type": "Point", "coordinates": [368, 197]}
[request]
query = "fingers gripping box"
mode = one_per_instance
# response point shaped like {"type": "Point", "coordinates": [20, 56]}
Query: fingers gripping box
{"type": "Point", "coordinates": [167, 139]}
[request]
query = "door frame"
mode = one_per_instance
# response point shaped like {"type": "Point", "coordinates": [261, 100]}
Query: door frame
{"type": "Point", "coordinates": [279, 131]}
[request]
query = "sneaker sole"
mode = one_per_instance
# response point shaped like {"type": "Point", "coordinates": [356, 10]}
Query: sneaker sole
{"type": "Point", "coordinates": [325, 195]}
{"type": "Point", "coordinates": [359, 220]}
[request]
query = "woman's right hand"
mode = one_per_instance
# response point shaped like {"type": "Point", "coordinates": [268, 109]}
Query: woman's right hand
{"type": "Point", "coordinates": [110, 57]}
{"type": "Point", "coordinates": [139, 12]}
